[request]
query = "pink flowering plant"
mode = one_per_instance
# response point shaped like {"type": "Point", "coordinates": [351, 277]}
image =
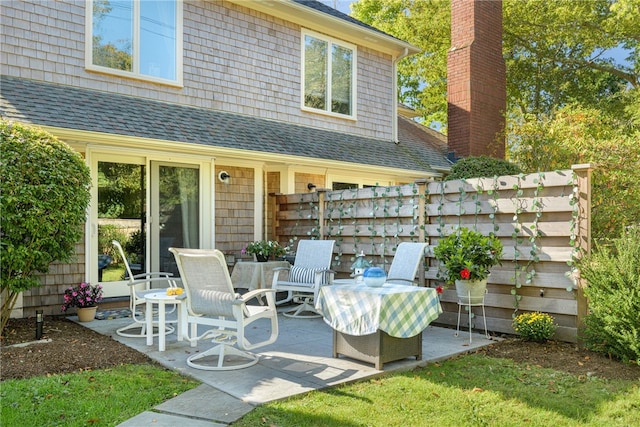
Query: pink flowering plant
{"type": "Point", "coordinates": [81, 296]}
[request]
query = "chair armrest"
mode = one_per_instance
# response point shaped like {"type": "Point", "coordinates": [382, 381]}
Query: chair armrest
{"type": "Point", "coordinates": [152, 275]}
{"type": "Point", "coordinates": [276, 275]}
{"type": "Point", "coordinates": [256, 292]}
{"type": "Point", "coordinates": [171, 281]}
{"type": "Point", "coordinates": [269, 294]}
{"type": "Point", "coordinates": [391, 279]}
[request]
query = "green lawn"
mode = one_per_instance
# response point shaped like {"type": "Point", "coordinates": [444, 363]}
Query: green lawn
{"type": "Point", "coordinates": [113, 273]}
{"type": "Point", "coordinates": [97, 398]}
{"type": "Point", "coordinates": [472, 390]}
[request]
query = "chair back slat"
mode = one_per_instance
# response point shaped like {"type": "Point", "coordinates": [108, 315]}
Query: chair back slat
{"type": "Point", "coordinates": [206, 280]}
{"type": "Point", "coordinates": [314, 253]}
{"type": "Point", "coordinates": [406, 261]}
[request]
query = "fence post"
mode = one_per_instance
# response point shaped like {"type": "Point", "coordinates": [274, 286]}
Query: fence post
{"type": "Point", "coordinates": [583, 185]}
{"type": "Point", "coordinates": [275, 207]}
{"type": "Point", "coordinates": [322, 192]}
{"type": "Point", "coordinates": [422, 220]}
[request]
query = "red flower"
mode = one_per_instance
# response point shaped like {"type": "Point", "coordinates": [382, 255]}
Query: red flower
{"type": "Point", "coordinates": [465, 273]}
{"type": "Point", "coordinates": [439, 289]}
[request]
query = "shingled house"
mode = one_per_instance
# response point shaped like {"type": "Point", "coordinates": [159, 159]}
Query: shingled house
{"type": "Point", "coordinates": [212, 105]}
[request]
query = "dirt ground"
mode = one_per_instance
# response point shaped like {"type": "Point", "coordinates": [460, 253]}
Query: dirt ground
{"type": "Point", "coordinates": [62, 354]}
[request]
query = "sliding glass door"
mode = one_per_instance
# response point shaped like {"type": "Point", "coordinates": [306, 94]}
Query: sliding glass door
{"type": "Point", "coordinates": [147, 206]}
{"type": "Point", "coordinates": [175, 193]}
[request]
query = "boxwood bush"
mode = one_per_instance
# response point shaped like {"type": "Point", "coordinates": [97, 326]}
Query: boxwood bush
{"type": "Point", "coordinates": [482, 167]}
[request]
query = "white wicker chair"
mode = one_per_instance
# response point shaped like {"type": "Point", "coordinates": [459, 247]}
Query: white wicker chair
{"type": "Point", "coordinates": [212, 301]}
{"type": "Point", "coordinates": [139, 286]}
{"type": "Point", "coordinates": [311, 269]}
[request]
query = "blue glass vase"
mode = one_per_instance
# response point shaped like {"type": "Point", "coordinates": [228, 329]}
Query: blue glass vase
{"type": "Point", "coordinates": [374, 277]}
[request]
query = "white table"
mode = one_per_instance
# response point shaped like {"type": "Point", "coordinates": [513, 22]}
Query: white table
{"type": "Point", "coordinates": [252, 275]}
{"type": "Point", "coordinates": [162, 299]}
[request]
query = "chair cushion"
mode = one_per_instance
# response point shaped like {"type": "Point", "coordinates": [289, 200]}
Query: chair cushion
{"type": "Point", "coordinates": [306, 275]}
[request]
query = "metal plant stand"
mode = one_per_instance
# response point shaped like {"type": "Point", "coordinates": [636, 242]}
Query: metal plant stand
{"type": "Point", "coordinates": [469, 304]}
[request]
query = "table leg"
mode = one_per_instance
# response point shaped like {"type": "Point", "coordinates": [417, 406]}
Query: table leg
{"type": "Point", "coordinates": [181, 321]}
{"type": "Point", "coordinates": [148, 316]}
{"type": "Point", "coordinates": [161, 326]}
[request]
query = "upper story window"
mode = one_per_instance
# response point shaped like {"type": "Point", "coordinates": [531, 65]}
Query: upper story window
{"type": "Point", "coordinates": [328, 75]}
{"type": "Point", "coordinates": [136, 38]}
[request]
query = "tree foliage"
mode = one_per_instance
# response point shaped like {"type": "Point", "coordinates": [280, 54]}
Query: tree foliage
{"type": "Point", "coordinates": [44, 193]}
{"type": "Point", "coordinates": [568, 101]}
{"type": "Point", "coordinates": [422, 78]}
{"type": "Point", "coordinates": [556, 53]}
{"type": "Point", "coordinates": [575, 135]}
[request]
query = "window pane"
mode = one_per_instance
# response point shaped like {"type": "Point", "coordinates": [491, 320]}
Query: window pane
{"type": "Point", "coordinates": [158, 39]}
{"type": "Point", "coordinates": [121, 217]}
{"type": "Point", "coordinates": [179, 215]}
{"type": "Point", "coordinates": [113, 34]}
{"type": "Point", "coordinates": [315, 73]}
{"type": "Point", "coordinates": [343, 186]}
{"type": "Point", "coordinates": [341, 67]}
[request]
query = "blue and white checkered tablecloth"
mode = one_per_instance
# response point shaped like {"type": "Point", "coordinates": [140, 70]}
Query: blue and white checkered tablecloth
{"type": "Point", "coordinates": [399, 310]}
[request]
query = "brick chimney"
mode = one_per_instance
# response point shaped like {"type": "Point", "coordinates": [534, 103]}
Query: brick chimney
{"type": "Point", "coordinates": [476, 79]}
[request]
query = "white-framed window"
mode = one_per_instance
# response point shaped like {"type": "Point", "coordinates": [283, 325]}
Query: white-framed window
{"type": "Point", "coordinates": [328, 75]}
{"type": "Point", "coordinates": [140, 39]}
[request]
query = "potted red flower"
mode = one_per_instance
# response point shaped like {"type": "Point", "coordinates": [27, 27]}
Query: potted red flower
{"type": "Point", "coordinates": [465, 258]}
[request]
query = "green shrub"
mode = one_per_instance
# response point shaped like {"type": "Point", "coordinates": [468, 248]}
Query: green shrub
{"type": "Point", "coordinates": [134, 246]}
{"type": "Point", "coordinates": [534, 326]}
{"type": "Point", "coordinates": [482, 167]}
{"type": "Point", "coordinates": [107, 233]}
{"type": "Point", "coordinates": [44, 193]}
{"type": "Point", "coordinates": [612, 325]}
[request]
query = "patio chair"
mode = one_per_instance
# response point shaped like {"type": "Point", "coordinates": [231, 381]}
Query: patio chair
{"type": "Point", "coordinates": [139, 286]}
{"type": "Point", "coordinates": [311, 269]}
{"type": "Point", "coordinates": [404, 267]}
{"type": "Point", "coordinates": [211, 301]}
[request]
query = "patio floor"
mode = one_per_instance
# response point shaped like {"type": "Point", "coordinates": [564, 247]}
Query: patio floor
{"type": "Point", "coordinates": [299, 361]}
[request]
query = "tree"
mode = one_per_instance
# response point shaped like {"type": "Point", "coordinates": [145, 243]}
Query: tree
{"type": "Point", "coordinates": [567, 101]}
{"type": "Point", "coordinates": [575, 135]}
{"type": "Point", "coordinates": [555, 53]}
{"type": "Point", "coordinates": [422, 78]}
{"type": "Point", "coordinates": [44, 193]}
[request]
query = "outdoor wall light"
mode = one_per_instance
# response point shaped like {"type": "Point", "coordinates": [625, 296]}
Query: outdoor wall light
{"type": "Point", "coordinates": [311, 186]}
{"type": "Point", "coordinates": [39, 322]}
{"type": "Point", "coordinates": [224, 177]}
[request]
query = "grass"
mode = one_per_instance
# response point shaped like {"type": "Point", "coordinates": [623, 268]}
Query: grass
{"type": "Point", "coordinates": [113, 273]}
{"type": "Point", "coordinates": [473, 390]}
{"type": "Point", "coordinates": [100, 398]}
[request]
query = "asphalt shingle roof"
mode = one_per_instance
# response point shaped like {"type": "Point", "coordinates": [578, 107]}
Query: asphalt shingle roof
{"type": "Point", "coordinates": [48, 104]}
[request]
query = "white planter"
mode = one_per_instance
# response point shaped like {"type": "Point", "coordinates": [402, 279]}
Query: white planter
{"type": "Point", "coordinates": [471, 291]}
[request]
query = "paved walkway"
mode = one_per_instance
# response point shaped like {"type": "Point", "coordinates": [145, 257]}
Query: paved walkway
{"type": "Point", "coordinates": [299, 361]}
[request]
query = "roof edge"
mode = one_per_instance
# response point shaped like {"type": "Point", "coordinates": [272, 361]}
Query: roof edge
{"type": "Point", "coordinates": [331, 25]}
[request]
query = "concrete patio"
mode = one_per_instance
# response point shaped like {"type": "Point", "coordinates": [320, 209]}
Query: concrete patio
{"type": "Point", "coordinates": [299, 361]}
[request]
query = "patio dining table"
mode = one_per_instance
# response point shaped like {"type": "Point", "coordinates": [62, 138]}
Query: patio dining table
{"type": "Point", "coordinates": [378, 324]}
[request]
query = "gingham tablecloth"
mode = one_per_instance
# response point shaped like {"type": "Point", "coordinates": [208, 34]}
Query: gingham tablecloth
{"type": "Point", "coordinates": [401, 311]}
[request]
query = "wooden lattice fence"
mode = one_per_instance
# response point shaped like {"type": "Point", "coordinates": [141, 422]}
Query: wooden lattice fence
{"type": "Point", "coordinates": [542, 220]}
